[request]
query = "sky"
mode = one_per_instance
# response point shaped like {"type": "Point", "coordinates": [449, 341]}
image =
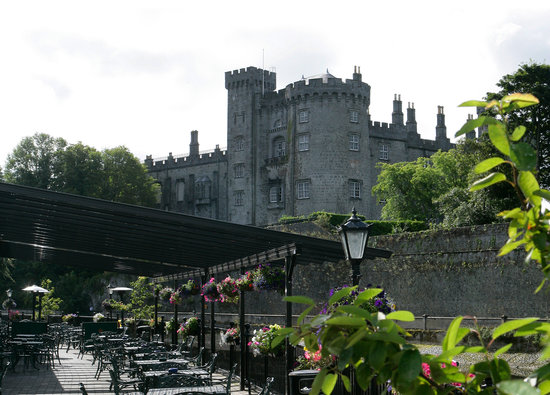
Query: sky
{"type": "Point", "coordinates": [144, 74]}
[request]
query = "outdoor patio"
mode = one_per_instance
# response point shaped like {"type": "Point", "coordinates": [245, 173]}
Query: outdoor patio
{"type": "Point", "coordinates": [65, 378]}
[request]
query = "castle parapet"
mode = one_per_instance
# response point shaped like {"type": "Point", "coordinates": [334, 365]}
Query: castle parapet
{"type": "Point", "coordinates": [250, 77]}
{"type": "Point", "coordinates": [184, 160]}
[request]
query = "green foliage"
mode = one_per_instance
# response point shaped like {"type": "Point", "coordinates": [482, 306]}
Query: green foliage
{"type": "Point", "coordinates": [331, 221]}
{"type": "Point", "coordinates": [141, 300]}
{"type": "Point", "coordinates": [50, 303]}
{"type": "Point", "coordinates": [114, 174]}
{"type": "Point", "coordinates": [374, 344]}
{"type": "Point", "coordinates": [34, 160]}
{"type": "Point", "coordinates": [530, 78]}
{"type": "Point", "coordinates": [435, 189]}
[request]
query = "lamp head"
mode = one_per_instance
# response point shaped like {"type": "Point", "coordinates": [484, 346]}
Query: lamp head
{"type": "Point", "coordinates": [354, 235]}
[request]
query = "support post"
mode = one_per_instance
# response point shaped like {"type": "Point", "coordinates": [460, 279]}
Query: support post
{"type": "Point", "coordinates": [203, 313]}
{"type": "Point", "coordinates": [355, 271]}
{"type": "Point", "coordinates": [175, 328]}
{"type": "Point", "coordinates": [156, 326]}
{"type": "Point", "coordinates": [33, 305]}
{"type": "Point", "coordinates": [290, 261]}
{"type": "Point", "coordinates": [212, 329]}
{"type": "Point", "coordinates": [40, 306]}
{"type": "Point", "coordinates": [244, 340]}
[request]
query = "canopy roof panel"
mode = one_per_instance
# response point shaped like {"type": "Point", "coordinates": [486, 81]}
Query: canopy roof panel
{"type": "Point", "coordinates": [53, 227]}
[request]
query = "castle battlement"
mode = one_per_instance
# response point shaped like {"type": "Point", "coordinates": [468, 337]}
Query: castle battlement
{"type": "Point", "coordinates": [331, 88]}
{"type": "Point", "coordinates": [171, 162]}
{"type": "Point", "coordinates": [250, 76]}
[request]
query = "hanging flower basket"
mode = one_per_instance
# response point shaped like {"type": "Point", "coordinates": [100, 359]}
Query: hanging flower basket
{"type": "Point", "coordinates": [232, 337]}
{"type": "Point", "coordinates": [269, 278]}
{"type": "Point", "coordinates": [189, 327]}
{"type": "Point", "coordinates": [165, 293]}
{"type": "Point", "coordinates": [245, 283]}
{"type": "Point", "coordinates": [98, 317]}
{"type": "Point", "coordinates": [380, 303]}
{"type": "Point", "coordinates": [210, 291]}
{"type": "Point", "coordinates": [189, 289]}
{"type": "Point", "coordinates": [227, 288]}
{"type": "Point", "coordinates": [261, 341]}
{"type": "Point", "coordinates": [175, 297]}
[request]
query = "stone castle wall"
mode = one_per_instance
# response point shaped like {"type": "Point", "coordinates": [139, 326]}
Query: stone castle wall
{"type": "Point", "coordinates": [442, 274]}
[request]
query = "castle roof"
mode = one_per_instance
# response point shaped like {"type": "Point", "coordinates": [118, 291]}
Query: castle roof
{"type": "Point", "coordinates": [325, 76]}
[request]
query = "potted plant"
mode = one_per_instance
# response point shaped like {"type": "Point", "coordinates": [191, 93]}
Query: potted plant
{"type": "Point", "coordinates": [231, 336]}
{"type": "Point", "coordinates": [269, 278]}
{"type": "Point", "coordinates": [260, 344]}
{"type": "Point", "coordinates": [245, 282]}
{"type": "Point", "coordinates": [189, 289]}
{"type": "Point", "coordinates": [189, 327]}
{"type": "Point", "coordinates": [228, 290]}
{"type": "Point", "coordinates": [210, 291]}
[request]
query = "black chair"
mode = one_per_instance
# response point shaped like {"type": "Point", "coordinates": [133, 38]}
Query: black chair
{"type": "Point", "coordinates": [267, 387]}
{"type": "Point", "coordinates": [2, 374]}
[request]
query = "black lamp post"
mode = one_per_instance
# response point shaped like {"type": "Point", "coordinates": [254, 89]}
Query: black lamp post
{"type": "Point", "coordinates": [121, 291]}
{"type": "Point", "coordinates": [354, 235]}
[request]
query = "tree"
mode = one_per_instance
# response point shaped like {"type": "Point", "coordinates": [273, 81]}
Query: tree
{"type": "Point", "coordinates": [34, 160]}
{"type": "Point", "coordinates": [141, 299]}
{"type": "Point", "coordinates": [377, 348]}
{"type": "Point", "coordinates": [79, 171]}
{"type": "Point", "coordinates": [50, 303]}
{"type": "Point", "coordinates": [125, 179]}
{"type": "Point", "coordinates": [435, 189]}
{"type": "Point", "coordinates": [535, 79]}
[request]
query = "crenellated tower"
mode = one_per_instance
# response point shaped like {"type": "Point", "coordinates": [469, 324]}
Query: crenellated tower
{"type": "Point", "coordinates": [245, 91]}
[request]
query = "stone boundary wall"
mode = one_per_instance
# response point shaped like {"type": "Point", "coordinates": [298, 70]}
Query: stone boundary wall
{"type": "Point", "coordinates": [441, 273]}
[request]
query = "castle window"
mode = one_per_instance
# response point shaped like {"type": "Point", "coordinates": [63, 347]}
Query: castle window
{"type": "Point", "coordinates": [180, 188]}
{"type": "Point", "coordinates": [238, 196]}
{"type": "Point", "coordinates": [354, 116]}
{"type": "Point", "coordinates": [303, 116]}
{"type": "Point", "coordinates": [239, 143]}
{"type": "Point", "coordinates": [239, 170]}
{"type": "Point", "coordinates": [279, 147]}
{"type": "Point", "coordinates": [302, 188]}
{"type": "Point", "coordinates": [354, 142]}
{"type": "Point", "coordinates": [384, 152]}
{"type": "Point", "coordinates": [303, 142]}
{"type": "Point", "coordinates": [202, 188]}
{"type": "Point", "coordinates": [276, 194]}
{"type": "Point", "coordinates": [355, 189]}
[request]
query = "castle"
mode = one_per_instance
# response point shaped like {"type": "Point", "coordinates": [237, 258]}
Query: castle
{"type": "Point", "coordinates": [308, 147]}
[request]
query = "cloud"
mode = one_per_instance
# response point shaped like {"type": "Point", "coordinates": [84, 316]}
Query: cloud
{"type": "Point", "coordinates": [524, 37]}
{"type": "Point", "coordinates": [109, 59]}
{"type": "Point", "coordinates": [61, 91]}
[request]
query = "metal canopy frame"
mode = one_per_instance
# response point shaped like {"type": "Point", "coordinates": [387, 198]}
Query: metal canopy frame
{"type": "Point", "coordinates": [53, 227]}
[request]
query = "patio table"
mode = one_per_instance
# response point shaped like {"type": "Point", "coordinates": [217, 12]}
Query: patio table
{"type": "Point", "coordinates": [209, 389]}
{"type": "Point", "coordinates": [146, 364]}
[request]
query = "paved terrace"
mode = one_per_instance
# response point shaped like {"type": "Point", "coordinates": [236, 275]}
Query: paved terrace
{"type": "Point", "coordinates": [65, 378]}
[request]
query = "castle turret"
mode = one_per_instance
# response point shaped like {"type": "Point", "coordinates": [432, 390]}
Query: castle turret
{"type": "Point", "coordinates": [357, 73]}
{"type": "Point", "coordinates": [472, 133]}
{"type": "Point", "coordinates": [194, 145]}
{"type": "Point", "coordinates": [411, 118]}
{"type": "Point", "coordinates": [440, 128]}
{"type": "Point", "coordinates": [397, 114]}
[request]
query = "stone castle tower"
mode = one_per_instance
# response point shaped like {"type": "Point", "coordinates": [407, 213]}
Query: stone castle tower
{"type": "Point", "coordinates": [308, 147]}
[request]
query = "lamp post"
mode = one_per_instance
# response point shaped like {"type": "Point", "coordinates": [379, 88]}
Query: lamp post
{"type": "Point", "coordinates": [110, 290]}
{"type": "Point", "coordinates": [354, 235]}
{"type": "Point", "coordinates": [121, 291]}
